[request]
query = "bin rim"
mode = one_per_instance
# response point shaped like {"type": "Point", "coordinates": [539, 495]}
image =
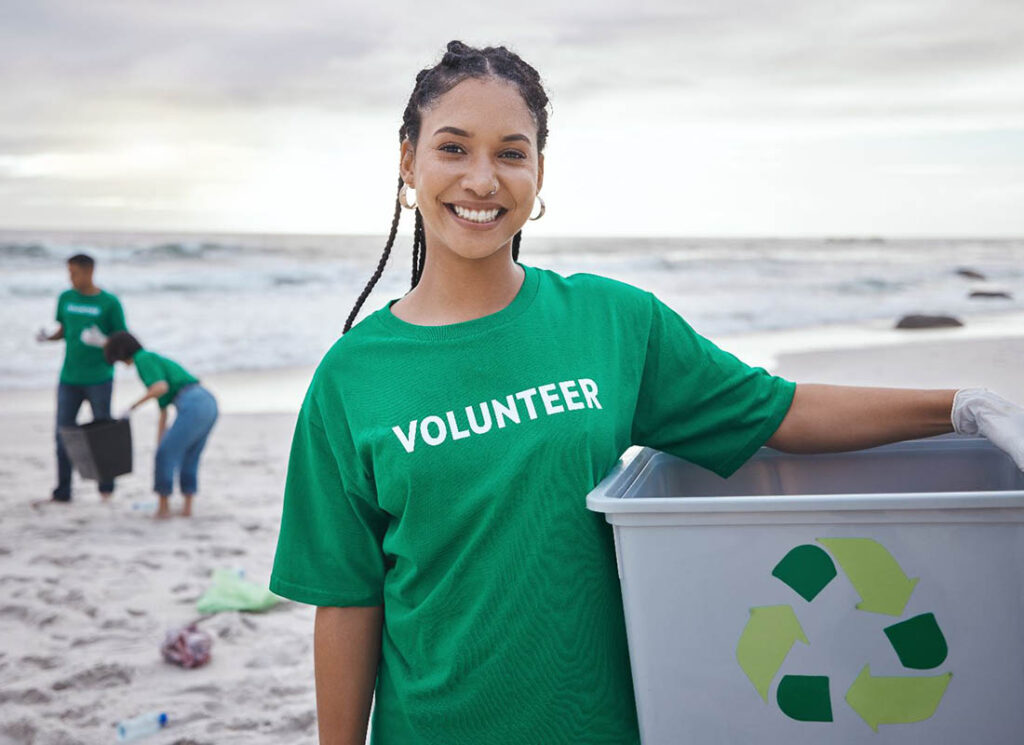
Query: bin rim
{"type": "Point", "coordinates": [607, 496]}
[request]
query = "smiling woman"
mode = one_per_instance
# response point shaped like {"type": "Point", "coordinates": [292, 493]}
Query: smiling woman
{"type": "Point", "coordinates": [472, 141]}
{"type": "Point", "coordinates": [434, 507]}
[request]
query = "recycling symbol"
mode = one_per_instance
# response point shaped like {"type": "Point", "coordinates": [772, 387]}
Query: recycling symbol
{"type": "Point", "coordinates": [918, 642]}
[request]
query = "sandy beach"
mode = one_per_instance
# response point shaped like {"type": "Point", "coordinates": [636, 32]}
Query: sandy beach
{"type": "Point", "coordinates": [88, 589]}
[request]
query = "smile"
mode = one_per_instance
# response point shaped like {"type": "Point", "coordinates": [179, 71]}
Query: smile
{"type": "Point", "coordinates": [480, 217]}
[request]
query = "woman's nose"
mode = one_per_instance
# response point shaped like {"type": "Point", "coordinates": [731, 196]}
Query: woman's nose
{"type": "Point", "coordinates": [480, 178]}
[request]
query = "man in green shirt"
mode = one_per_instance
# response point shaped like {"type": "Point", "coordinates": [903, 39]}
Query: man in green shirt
{"type": "Point", "coordinates": [86, 315]}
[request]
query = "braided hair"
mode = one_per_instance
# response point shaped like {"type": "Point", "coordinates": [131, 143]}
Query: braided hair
{"type": "Point", "coordinates": [459, 63]}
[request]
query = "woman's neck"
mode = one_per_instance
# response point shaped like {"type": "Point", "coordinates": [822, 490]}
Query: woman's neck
{"type": "Point", "coordinates": [453, 289]}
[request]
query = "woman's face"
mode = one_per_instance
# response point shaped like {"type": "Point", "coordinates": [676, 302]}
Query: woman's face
{"type": "Point", "coordinates": [476, 138]}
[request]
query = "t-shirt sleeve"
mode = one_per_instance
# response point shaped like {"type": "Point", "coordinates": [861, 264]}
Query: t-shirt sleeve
{"type": "Point", "coordinates": [701, 403]}
{"type": "Point", "coordinates": [329, 550]}
{"type": "Point", "coordinates": [149, 369]}
{"type": "Point", "coordinates": [59, 315]}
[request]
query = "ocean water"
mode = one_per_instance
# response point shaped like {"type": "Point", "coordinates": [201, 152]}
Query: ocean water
{"type": "Point", "coordinates": [242, 302]}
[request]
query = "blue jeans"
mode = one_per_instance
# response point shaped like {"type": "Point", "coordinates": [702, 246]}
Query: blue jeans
{"type": "Point", "coordinates": [69, 401]}
{"type": "Point", "coordinates": [183, 443]}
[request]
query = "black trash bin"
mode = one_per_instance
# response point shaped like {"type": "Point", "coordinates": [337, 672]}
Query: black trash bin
{"type": "Point", "coordinates": [100, 450]}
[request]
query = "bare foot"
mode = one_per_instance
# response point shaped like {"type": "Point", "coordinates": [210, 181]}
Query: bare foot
{"type": "Point", "coordinates": [186, 511]}
{"type": "Point", "coordinates": [105, 496]}
{"type": "Point", "coordinates": [38, 503]}
{"type": "Point", "coordinates": [163, 510]}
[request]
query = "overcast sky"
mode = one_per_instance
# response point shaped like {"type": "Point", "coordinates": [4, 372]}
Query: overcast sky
{"type": "Point", "coordinates": [676, 117]}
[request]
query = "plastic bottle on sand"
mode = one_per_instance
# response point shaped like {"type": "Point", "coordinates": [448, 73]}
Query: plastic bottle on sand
{"type": "Point", "coordinates": [140, 726]}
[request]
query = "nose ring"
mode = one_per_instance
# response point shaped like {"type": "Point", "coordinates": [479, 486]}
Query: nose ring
{"type": "Point", "coordinates": [494, 190]}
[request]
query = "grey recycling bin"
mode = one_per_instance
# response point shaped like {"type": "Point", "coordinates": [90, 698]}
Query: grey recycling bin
{"type": "Point", "coordinates": [99, 450]}
{"type": "Point", "coordinates": [866, 597]}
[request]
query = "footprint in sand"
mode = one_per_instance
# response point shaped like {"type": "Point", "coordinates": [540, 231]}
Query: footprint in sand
{"type": "Point", "coordinates": [284, 691]}
{"type": "Point", "coordinates": [207, 690]}
{"type": "Point", "coordinates": [59, 561]}
{"type": "Point", "coordinates": [27, 696]}
{"type": "Point", "coordinates": [298, 723]}
{"type": "Point", "coordinates": [97, 676]}
{"type": "Point", "coordinates": [289, 656]}
{"type": "Point", "coordinates": [21, 732]}
{"type": "Point", "coordinates": [29, 616]}
{"type": "Point", "coordinates": [68, 599]}
{"type": "Point", "coordinates": [39, 663]}
{"type": "Point", "coordinates": [220, 552]}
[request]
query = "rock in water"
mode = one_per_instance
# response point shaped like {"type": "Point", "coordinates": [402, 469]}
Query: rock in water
{"type": "Point", "coordinates": [970, 273]}
{"type": "Point", "coordinates": [928, 322]}
{"type": "Point", "coordinates": [991, 294]}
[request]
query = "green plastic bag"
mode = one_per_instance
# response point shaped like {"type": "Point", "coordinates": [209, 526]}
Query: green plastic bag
{"type": "Point", "coordinates": [231, 592]}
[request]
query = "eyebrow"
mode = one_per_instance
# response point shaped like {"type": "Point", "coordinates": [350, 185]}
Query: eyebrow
{"type": "Point", "coordinates": [463, 133]}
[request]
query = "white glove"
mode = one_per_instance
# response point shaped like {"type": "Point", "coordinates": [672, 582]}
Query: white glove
{"type": "Point", "coordinates": [42, 336]}
{"type": "Point", "coordinates": [125, 413]}
{"type": "Point", "coordinates": [977, 411]}
{"type": "Point", "coordinates": [93, 337]}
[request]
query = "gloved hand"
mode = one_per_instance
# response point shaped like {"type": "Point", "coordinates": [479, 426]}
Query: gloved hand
{"type": "Point", "coordinates": [93, 337]}
{"type": "Point", "coordinates": [977, 411]}
{"type": "Point", "coordinates": [42, 336]}
{"type": "Point", "coordinates": [126, 413]}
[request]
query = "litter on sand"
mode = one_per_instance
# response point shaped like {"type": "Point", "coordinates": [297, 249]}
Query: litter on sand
{"type": "Point", "coordinates": [232, 592]}
{"type": "Point", "coordinates": [186, 646]}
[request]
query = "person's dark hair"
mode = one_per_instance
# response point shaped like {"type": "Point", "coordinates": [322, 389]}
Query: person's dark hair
{"type": "Point", "coordinates": [459, 63]}
{"type": "Point", "coordinates": [83, 260]}
{"type": "Point", "coordinates": [120, 347]}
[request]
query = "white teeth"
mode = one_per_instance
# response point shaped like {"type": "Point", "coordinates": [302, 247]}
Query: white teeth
{"type": "Point", "coordinates": [476, 215]}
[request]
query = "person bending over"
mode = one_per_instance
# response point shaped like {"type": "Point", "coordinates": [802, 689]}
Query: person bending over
{"type": "Point", "coordinates": [180, 446]}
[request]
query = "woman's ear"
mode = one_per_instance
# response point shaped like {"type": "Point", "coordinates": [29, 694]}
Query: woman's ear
{"type": "Point", "coordinates": [406, 163]}
{"type": "Point", "coordinates": [540, 172]}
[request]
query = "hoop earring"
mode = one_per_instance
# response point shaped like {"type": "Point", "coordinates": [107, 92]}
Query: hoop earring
{"type": "Point", "coordinates": [543, 209]}
{"type": "Point", "coordinates": [403, 197]}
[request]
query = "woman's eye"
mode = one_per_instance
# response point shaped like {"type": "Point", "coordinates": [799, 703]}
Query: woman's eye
{"type": "Point", "coordinates": [451, 148]}
{"type": "Point", "coordinates": [514, 154]}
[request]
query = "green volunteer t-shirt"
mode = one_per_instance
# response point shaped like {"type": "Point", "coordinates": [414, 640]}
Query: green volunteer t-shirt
{"type": "Point", "coordinates": [153, 368]}
{"type": "Point", "coordinates": [85, 364]}
{"type": "Point", "coordinates": [443, 472]}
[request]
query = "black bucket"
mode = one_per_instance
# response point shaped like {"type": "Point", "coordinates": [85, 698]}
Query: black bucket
{"type": "Point", "coordinates": [100, 450]}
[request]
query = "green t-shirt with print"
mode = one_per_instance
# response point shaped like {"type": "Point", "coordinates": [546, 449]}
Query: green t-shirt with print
{"type": "Point", "coordinates": [442, 471]}
{"type": "Point", "coordinates": [153, 368]}
{"type": "Point", "coordinates": [85, 364]}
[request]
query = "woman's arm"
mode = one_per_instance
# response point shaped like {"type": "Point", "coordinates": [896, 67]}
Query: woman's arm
{"type": "Point", "coordinates": [346, 650]}
{"type": "Point", "coordinates": [830, 418]}
{"type": "Point", "coordinates": [156, 390]}
{"type": "Point", "coordinates": [161, 426]}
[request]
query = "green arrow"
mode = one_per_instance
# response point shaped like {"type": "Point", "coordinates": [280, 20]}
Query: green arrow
{"type": "Point", "coordinates": [807, 570]}
{"type": "Point", "coordinates": [770, 633]}
{"type": "Point", "coordinates": [805, 698]}
{"type": "Point", "coordinates": [895, 700]}
{"type": "Point", "coordinates": [874, 574]}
